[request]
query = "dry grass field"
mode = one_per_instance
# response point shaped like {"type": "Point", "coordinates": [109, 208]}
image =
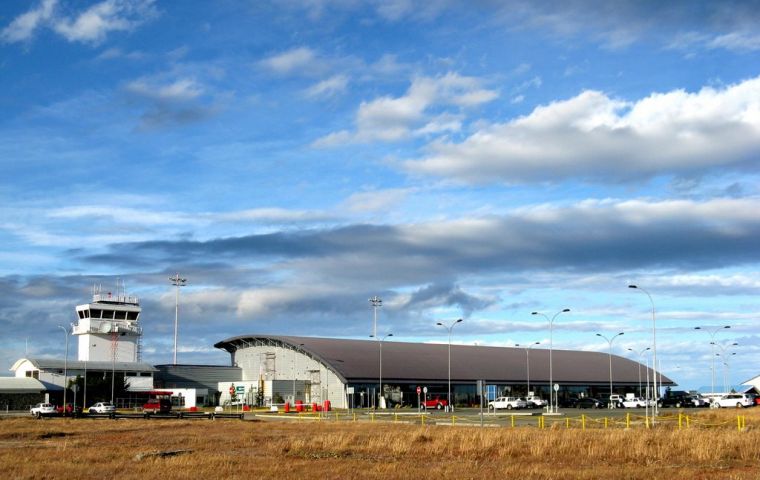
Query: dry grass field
{"type": "Point", "coordinates": [222, 449]}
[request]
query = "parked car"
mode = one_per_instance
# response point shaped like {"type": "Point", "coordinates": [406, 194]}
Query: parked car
{"type": "Point", "coordinates": [738, 400]}
{"type": "Point", "coordinates": [535, 402]}
{"type": "Point", "coordinates": [589, 402]}
{"type": "Point", "coordinates": [436, 402]}
{"type": "Point", "coordinates": [103, 407]}
{"type": "Point", "coordinates": [634, 402]}
{"type": "Point", "coordinates": [698, 401]}
{"type": "Point", "coordinates": [43, 410]}
{"type": "Point", "coordinates": [567, 402]}
{"type": "Point", "coordinates": [677, 399]}
{"type": "Point", "coordinates": [507, 402]}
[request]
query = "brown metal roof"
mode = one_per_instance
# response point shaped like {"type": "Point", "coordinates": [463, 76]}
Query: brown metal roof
{"type": "Point", "coordinates": [358, 361]}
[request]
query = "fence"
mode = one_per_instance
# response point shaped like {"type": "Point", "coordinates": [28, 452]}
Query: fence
{"type": "Point", "coordinates": [678, 421]}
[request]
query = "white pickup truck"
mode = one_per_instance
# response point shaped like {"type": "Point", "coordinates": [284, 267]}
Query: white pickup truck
{"type": "Point", "coordinates": [507, 402]}
{"type": "Point", "coordinates": [629, 401]}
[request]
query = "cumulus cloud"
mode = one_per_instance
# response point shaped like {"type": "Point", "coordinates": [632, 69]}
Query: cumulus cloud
{"type": "Point", "coordinates": [170, 102]}
{"type": "Point", "coordinates": [90, 26]}
{"type": "Point", "coordinates": [301, 59]}
{"type": "Point", "coordinates": [593, 136]}
{"type": "Point", "coordinates": [395, 118]}
{"type": "Point", "coordinates": [23, 27]}
{"type": "Point", "coordinates": [328, 87]}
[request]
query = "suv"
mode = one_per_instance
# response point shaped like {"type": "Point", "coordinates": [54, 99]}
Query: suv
{"type": "Point", "coordinates": [738, 400]}
{"type": "Point", "coordinates": [507, 402]}
{"type": "Point", "coordinates": [676, 399]}
{"type": "Point", "coordinates": [43, 410]}
{"type": "Point", "coordinates": [103, 407]}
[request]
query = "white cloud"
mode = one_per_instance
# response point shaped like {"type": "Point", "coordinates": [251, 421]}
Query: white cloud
{"type": "Point", "coordinates": [301, 58]}
{"type": "Point", "coordinates": [396, 118]}
{"type": "Point", "coordinates": [90, 26]}
{"type": "Point", "coordinates": [329, 87]}
{"type": "Point", "coordinates": [376, 200]}
{"type": "Point", "coordinates": [180, 90]}
{"type": "Point", "coordinates": [22, 27]}
{"type": "Point", "coordinates": [594, 136]}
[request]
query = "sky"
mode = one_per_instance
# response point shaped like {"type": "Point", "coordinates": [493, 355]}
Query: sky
{"type": "Point", "coordinates": [459, 159]}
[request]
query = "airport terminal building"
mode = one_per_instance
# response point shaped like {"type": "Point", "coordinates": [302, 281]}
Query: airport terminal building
{"type": "Point", "coordinates": [349, 373]}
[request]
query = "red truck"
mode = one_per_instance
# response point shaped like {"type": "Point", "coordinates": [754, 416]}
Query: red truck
{"type": "Point", "coordinates": [436, 402]}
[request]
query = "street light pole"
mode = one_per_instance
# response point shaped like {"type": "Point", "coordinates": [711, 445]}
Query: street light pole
{"type": "Point", "coordinates": [527, 362]}
{"type": "Point", "coordinates": [712, 334]}
{"type": "Point", "coordinates": [609, 341]}
{"type": "Point", "coordinates": [65, 367]}
{"type": "Point", "coordinates": [376, 302]}
{"type": "Point", "coordinates": [380, 400]}
{"type": "Point", "coordinates": [449, 328]}
{"type": "Point", "coordinates": [722, 354]}
{"type": "Point", "coordinates": [656, 391]}
{"type": "Point", "coordinates": [641, 353]}
{"type": "Point", "coordinates": [177, 282]}
{"type": "Point", "coordinates": [552, 393]}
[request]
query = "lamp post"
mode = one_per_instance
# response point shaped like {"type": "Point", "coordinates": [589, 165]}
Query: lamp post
{"type": "Point", "coordinates": [380, 400]}
{"type": "Point", "coordinates": [65, 367]}
{"type": "Point", "coordinates": [712, 333]}
{"type": "Point", "coordinates": [609, 341]}
{"type": "Point", "coordinates": [552, 393]}
{"type": "Point", "coordinates": [376, 302]}
{"type": "Point", "coordinates": [724, 356]}
{"type": "Point", "coordinates": [177, 282]}
{"type": "Point", "coordinates": [640, 354]}
{"type": "Point", "coordinates": [656, 391]}
{"type": "Point", "coordinates": [449, 328]}
{"type": "Point", "coordinates": [527, 362]}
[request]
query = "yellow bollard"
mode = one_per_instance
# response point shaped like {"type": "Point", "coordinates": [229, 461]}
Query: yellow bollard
{"type": "Point", "coordinates": [453, 419]}
{"type": "Point", "coordinates": [395, 418]}
{"type": "Point", "coordinates": [679, 421]}
{"type": "Point", "coordinates": [688, 421]}
{"type": "Point", "coordinates": [422, 419]}
{"type": "Point", "coordinates": [627, 420]}
{"type": "Point", "coordinates": [605, 422]}
{"type": "Point", "coordinates": [583, 422]}
{"type": "Point", "coordinates": [567, 423]}
{"type": "Point", "coordinates": [647, 422]}
{"type": "Point", "coordinates": [372, 417]}
{"type": "Point", "coordinates": [354, 416]}
{"type": "Point", "coordinates": [513, 421]}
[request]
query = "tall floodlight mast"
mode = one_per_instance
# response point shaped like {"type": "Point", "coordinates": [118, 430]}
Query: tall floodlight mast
{"type": "Point", "coordinates": [177, 282]}
{"type": "Point", "coordinates": [376, 302]}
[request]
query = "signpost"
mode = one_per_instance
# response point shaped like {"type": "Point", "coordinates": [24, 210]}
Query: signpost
{"type": "Point", "coordinates": [419, 405]}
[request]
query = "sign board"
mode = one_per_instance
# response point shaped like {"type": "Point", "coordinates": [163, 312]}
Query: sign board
{"type": "Point", "coordinates": [479, 386]}
{"type": "Point", "coordinates": [349, 390]}
{"type": "Point", "coordinates": [424, 389]}
{"type": "Point", "coordinates": [419, 390]}
{"type": "Point", "coordinates": [556, 387]}
{"type": "Point", "coordinates": [240, 389]}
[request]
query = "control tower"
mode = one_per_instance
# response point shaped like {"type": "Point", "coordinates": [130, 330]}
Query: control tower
{"type": "Point", "coordinates": [108, 328]}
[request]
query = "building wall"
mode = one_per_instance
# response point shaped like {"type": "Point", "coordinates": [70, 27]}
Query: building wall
{"type": "Point", "coordinates": [99, 347]}
{"type": "Point", "coordinates": [275, 362]}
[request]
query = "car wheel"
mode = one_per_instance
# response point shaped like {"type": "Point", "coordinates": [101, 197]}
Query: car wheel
{"type": "Point", "coordinates": [659, 404]}
{"type": "Point", "coordinates": [739, 405]}
{"type": "Point", "coordinates": [439, 406]}
{"type": "Point", "coordinates": [92, 410]}
{"type": "Point", "coordinates": [509, 407]}
{"type": "Point", "coordinates": [678, 404]}
{"type": "Point", "coordinates": [37, 415]}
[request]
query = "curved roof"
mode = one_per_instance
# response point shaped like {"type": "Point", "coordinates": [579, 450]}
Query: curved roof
{"type": "Point", "coordinates": [358, 361]}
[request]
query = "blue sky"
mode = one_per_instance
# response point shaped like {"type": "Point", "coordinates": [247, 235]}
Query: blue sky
{"type": "Point", "coordinates": [292, 159]}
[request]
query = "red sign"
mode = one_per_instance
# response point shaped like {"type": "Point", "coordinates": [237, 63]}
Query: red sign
{"type": "Point", "coordinates": [419, 390]}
